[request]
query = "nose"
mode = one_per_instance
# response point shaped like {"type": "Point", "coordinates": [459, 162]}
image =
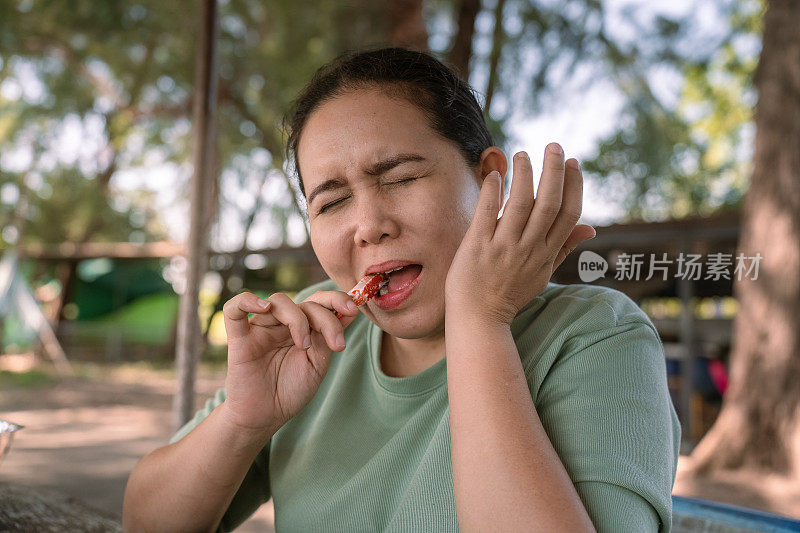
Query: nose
{"type": "Point", "coordinates": [374, 221]}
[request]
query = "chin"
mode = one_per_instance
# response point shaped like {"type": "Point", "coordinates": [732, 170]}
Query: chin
{"type": "Point", "coordinates": [416, 325]}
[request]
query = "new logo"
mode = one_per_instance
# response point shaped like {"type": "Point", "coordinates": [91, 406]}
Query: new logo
{"type": "Point", "coordinates": [591, 266]}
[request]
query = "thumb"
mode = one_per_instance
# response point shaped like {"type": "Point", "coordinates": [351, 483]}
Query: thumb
{"type": "Point", "coordinates": [580, 233]}
{"type": "Point", "coordinates": [346, 320]}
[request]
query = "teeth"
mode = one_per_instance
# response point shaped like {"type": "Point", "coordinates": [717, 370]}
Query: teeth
{"type": "Point", "coordinates": [390, 271]}
{"type": "Point", "coordinates": [396, 269]}
{"type": "Point", "coordinates": [384, 289]}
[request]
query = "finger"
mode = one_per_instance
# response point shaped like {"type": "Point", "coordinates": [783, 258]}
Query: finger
{"type": "Point", "coordinates": [290, 314]}
{"type": "Point", "coordinates": [520, 201]}
{"type": "Point", "coordinates": [323, 320]}
{"type": "Point", "coordinates": [581, 233]}
{"type": "Point", "coordinates": [484, 221]}
{"type": "Point", "coordinates": [335, 301]}
{"type": "Point", "coordinates": [235, 312]}
{"type": "Point", "coordinates": [548, 194]}
{"type": "Point", "coordinates": [571, 206]}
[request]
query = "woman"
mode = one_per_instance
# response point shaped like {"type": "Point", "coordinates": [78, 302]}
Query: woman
{"type": "Point", "coordinates": [475, 394]}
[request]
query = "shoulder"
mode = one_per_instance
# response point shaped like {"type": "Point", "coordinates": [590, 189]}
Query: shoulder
{"type": "Point", "coordinates": [592, 304]}
{"type": "Point", "coordinates": [595, 366]}
{"type": "Point", "coordinates": [567, 319]}
{"type": "Point", "coordinates": [564, 311]}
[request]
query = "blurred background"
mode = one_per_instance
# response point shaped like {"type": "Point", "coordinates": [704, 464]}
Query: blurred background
{"type": "Point", "coordinates": [657, 100]}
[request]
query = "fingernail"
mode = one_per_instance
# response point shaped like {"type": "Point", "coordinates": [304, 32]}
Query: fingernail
{"type": "Point", "coordinates": [524, 155]}
{"type": "Point", "coordinates": [263, 303]}
{"type": "Point", "coordinates": [555, 148]}
{"type": "Point", "coordinates": [351, 305]}
{"type": "Point", "coordinates": [573, 163]}
{"type": "Point", "coordinates": [307, 342]}
{"type": "Point", "coordinates": [340, 341]}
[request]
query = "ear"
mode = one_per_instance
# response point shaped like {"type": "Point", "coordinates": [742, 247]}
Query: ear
{"type": "Point", "coordinates": [492, 159]}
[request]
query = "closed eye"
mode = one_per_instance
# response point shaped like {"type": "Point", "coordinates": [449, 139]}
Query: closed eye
{"type": "Point", "coordinates": [332, 204]}
{"type": "Point", "coordinates": [401, 181]}
{"type": "Point", "coordinates": [326, 206]}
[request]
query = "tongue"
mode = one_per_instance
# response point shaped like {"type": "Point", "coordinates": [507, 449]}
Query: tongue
{"type": "Point", "coordinates": [404, 276]}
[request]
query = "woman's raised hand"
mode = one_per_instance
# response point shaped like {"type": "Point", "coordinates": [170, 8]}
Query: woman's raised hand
{"type": "Point", "coordinates": [278, 356]}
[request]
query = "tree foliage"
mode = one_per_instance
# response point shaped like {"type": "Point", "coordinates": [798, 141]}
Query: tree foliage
{"type": "Point", "coordinates": [92, 92]}
{"type": "Point", "coordinates": [672, 161]}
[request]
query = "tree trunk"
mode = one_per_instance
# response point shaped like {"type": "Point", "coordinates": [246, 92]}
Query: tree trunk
{"type": "Point", "coordinates": [27, 509]}
{"type": "Point", "coordinates": [461, 49]}
{"type": "Point", "coordinates": [406, 24]}
{"type": "Point", "coordinates": [67, 275]}
{"type": "Point", "coordinates": [498, 39]}
{"type": "Point", "coordinates": [188, 338]}
{"type": "Point", "coordinates": [759, 424]}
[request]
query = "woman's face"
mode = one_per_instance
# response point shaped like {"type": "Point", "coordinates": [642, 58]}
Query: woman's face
{"type": "Point", "coordinates": [370, 142]}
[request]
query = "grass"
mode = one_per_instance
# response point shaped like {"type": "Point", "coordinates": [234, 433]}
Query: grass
{"type": "Point", "coordinates": [146, 320]}
{"type": "Point", "coordinates": [28, 378]}
{"type": "Point", "coordinates": [149, 320]}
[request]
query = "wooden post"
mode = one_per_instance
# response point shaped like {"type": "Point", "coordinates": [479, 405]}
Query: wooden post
{"type": "Point", "coordinates": [687, 340]}
{"type": "Point", "coordinates": [204, 118]}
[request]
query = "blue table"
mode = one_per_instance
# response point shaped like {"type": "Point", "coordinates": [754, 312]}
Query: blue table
{"type": "Point", "coordinates": [693, 514]}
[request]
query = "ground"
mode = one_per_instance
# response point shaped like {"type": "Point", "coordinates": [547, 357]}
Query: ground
{"type": "Point", "coordinates": [83, 435]}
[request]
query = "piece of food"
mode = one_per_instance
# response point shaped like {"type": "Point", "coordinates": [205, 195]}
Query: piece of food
{"type": "Point", "coordinates": [366, 289]}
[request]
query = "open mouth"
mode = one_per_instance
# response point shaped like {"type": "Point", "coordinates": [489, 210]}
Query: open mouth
{"type": "Point", "coordinates": [400, 278]}
{"type": "Point", "coordinates": [403, 283]}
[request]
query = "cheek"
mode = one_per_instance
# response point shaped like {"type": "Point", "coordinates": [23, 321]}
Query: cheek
{"type": "Point", "coordinates": [449, 218]}
{"type": "Point", "coordinates": [467, 198]}
{"type": "Point", "coordinates": [327, 246]}
{"type": "Point", "coordinates": [460, 208]}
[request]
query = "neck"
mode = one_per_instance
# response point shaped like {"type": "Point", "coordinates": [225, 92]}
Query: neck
{"type": "Point", "coordinates": [406, 357]}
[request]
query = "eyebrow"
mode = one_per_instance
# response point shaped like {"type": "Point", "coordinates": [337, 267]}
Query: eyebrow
{"type": "Point", "coordinates": [376, 169]}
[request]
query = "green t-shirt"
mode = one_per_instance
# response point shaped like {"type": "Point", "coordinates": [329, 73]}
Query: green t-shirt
{"type": "Point", "coordinates": [371, 452]}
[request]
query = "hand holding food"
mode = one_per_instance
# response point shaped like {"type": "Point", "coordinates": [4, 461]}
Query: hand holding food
{"type": "Point", "coordinates": [278, 357]}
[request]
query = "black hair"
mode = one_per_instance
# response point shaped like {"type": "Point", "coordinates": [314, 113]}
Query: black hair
{"type": "Point", "coordinates": [448, 101]}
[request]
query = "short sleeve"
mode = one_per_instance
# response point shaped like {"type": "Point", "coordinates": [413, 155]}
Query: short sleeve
{"type": "Point", "coordinates": [605, 405]}
{"type": "Point", "coordinates": [254, 489]}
